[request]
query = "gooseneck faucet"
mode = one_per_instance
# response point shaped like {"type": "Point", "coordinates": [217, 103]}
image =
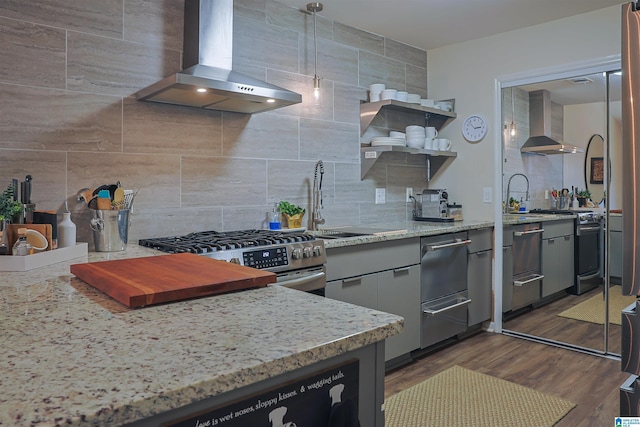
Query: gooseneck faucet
{"type": "Point", "coordinates": [316, 216]}
{"type": "Point", "coordinates": [506, 206]}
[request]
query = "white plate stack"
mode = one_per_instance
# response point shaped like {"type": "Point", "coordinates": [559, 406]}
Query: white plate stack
{"type": "Point", "coordinates": [415, 136]}
{"type": "Point", "coordinates": [386, 140]}
{"type": "Point", "coordinates": [413, 98]}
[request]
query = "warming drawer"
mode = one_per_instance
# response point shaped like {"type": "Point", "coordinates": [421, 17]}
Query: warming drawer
{"type": "Point", "coordinates": [443, 318]}
{"type": "Point", "coordinates": [630, 397]}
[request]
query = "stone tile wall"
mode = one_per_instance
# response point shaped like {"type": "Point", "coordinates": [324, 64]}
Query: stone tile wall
{"type": "Point", "coordinates": [68, 116]}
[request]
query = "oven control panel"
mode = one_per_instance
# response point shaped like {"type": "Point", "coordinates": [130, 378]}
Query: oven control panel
{"type": "Point", "coordinates": [266, 258]}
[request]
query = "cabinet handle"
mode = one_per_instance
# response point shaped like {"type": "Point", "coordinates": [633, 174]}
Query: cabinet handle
{"type": "Point", "coordinates": [442, 310]}
{"type": "Point", "coordinates": [446, 245]}
{"type": "Point", "coordinates": [351, 280]}
{"type": "Point", "coordinates": [401, 270]}
{"type": "Point", "coordinates": [526, 282]}
{"type": "Point", "coordinates": [524, 233]}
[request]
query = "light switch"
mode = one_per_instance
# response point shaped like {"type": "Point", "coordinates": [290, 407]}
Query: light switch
{"type": "Point", "coordinates": [380, 196]}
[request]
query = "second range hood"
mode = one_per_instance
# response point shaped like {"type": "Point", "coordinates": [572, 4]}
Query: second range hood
{"type": "Point", "coordinates": [541, 141]}
{"type": "Point", "coordinates": [208, 80]}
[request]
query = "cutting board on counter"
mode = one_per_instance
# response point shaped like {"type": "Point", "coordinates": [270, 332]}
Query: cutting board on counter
{"type": "Point", "coordinates": [137, 282]}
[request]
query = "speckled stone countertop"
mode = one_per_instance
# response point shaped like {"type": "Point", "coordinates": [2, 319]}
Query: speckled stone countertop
{"type": "Point", "coordinates": [73, 356]}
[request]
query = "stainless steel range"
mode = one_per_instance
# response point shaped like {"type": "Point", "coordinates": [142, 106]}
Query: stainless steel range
{"type": "Point", "coordinates": [589, 254]}
{"type": "Point", "coordinates": [298, 259]}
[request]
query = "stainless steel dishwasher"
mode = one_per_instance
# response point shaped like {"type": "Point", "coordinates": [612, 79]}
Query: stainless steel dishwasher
{"type": "Point", "coordinates": [443, 287]}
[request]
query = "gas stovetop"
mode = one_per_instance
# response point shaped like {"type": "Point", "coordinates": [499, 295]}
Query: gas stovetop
{"type": "Point", "coordinates": [271, 250]}
{"type": "Point", "coordinates": [582, 216]}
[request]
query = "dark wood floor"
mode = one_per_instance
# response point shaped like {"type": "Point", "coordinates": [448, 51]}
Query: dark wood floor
{"type": "Point", "coordinates": [544, 322]}
{"type": "Point", "coordinates": [591, 382]}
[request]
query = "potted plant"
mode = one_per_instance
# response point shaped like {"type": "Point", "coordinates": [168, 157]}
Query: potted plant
{"type": "Point", "coordinates": [293, 213]}
{"type": "Point", "coordinates": [583, 196]}
{"type": "Point", "coordinates": [9, 208]}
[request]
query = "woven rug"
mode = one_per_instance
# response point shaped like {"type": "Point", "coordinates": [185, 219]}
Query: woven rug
{"type": "Point", "coordinates": [461, 397]}
{"type": "Point", "coordinates": [592, 310]}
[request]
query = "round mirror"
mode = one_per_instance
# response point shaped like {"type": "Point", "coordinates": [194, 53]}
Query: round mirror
{"type": "Point", "coordinates": [594, 168]}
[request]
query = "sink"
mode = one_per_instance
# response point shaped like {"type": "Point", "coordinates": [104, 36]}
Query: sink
{"type": "Point", "coordinates": [336, 234]}
{"type": "Point", "coordinates": [345, 232]}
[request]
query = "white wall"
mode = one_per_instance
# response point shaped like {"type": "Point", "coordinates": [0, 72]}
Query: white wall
{"type": "Point", "coordinates": [468, 73]}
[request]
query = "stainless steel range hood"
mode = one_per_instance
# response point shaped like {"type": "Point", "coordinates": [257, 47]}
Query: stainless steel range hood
{"type": "Point", "coordinates": [540, 141]}
{"type": "Point", "coordinates": [208, 80]}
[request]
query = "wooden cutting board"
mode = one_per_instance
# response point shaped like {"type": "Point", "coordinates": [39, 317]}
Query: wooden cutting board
{"type": "Point", "coordinates": [137, 282]}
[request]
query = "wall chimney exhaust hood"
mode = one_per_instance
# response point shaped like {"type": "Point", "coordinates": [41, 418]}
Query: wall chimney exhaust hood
{"type": "Point", "coordinates": [540, 141]}
{"type": "Point", "coordinates": [208, 80]}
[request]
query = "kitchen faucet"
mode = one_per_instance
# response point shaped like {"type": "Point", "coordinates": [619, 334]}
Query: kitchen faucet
{"type": "Point", "coordinates": [506, 206]}
{"type": "Point", "coordinates": [316, 217]}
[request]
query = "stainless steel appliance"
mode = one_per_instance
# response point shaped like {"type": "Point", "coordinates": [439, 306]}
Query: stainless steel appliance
{"type": "Point", "coordinates": [431, 205]}
{"type": "Point", "coordinates": [588, 246]}
{"type": "Point", "coordinates": [443, 287]}
{"type": "Point", "coordinates": [298, 259]}
{"type": "Point", "coordinates": [630, 392]}
{"type": "Point", "coordinates": [523, 287]}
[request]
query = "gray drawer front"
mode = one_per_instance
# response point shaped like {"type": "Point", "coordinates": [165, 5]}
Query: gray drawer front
{"type": "Point", "coordinates": [630, 353]}
{"type": "Point", "coordinates": [557, 228]}
{"type": "Point", "coordinates": [481, 240]}
{"type": "Point", "coordinates": [448, 323]}
{"type": "Point", "coordinates": [350, 261]}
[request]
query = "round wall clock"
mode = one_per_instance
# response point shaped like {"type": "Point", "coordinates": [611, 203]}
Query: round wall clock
{"type": "Point", "coordinates": [474, 128]}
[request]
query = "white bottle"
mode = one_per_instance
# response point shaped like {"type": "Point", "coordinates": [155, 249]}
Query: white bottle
{"type": "Point", "coordinates": [66, 231]}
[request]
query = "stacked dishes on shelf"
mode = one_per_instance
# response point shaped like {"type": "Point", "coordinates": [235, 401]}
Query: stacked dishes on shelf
{"type": "Point", "coordinates": [415, 136]}
{"type": "Point", "coordinates": [387, 140]}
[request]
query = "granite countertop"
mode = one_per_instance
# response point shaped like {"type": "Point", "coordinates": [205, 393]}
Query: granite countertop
{"type": "Point", "coordinates": [72, 355]}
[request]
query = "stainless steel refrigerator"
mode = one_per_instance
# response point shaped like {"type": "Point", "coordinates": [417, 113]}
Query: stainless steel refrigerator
{"type": "Point", "coordinates": [630, 360]}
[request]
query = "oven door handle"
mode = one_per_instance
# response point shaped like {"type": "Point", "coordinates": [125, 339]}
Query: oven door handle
{"type": "Point", "coordinates": [525, 233]}
{"type": "Point", "coordinates": [446, 245]}
{"type": "Point", "coordinates": [590, 276]}
{"type": "Point", "coordinates": [291, 283]}
{"type": "Point", "coordinates": [526, 282]}
{"type": "Point", "coordinates": [429, 312]}
{"type": "Point", "coordinates": [587, 229]}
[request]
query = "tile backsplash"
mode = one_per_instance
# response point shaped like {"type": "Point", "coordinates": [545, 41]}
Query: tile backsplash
{"type": "Point", "coordinates": [69, 117]}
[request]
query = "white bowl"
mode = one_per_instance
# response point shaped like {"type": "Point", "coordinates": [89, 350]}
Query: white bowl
{"type": "Point", "coordinates": [388, 94]}
{"type": "Point", "coordinates": [401, 95]}
{"type": "Point", "coordinates": [395, 134]}
{"type": "Point", "coordinates": [414, 128]}
{"type": "Point", "coordinates": [377, 88]}
{"type": "Point", "coordinates": [415, 143]}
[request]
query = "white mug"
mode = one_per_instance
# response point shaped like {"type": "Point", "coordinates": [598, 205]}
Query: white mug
{"type": "Point", "coordinates": [443, 144]}
{"type": "Point", "coordinates": [430, 132]}
{"type": "Point", "coordinates": [428, 143]}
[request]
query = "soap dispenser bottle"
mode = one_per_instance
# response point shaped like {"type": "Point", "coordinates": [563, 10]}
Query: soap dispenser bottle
{"type": "Point", "coordinates": [274, 219]}
{"type": "Point", "coordinates": [66, 229]}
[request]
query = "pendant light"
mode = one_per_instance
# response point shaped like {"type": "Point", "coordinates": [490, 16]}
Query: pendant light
{"type": "Point", "coordinates": [315, 7]}
{"type": "Point", "coordinates": [512, 127]}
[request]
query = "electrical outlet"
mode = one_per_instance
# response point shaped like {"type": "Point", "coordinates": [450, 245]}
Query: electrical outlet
{"type": "Point", "coordinates": [486, 195]}
{"type": "Point", "coordinates": [380, 196]}
{"type": "Point", "coordinates": [409, 194]}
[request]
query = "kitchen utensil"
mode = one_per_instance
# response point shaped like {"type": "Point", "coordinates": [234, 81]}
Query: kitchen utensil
{"type": "Point", "coordinates": [136, 282]}
{"type": "Point", "coordinates": [118, 198]}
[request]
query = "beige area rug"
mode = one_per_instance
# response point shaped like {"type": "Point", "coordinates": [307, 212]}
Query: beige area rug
{"type": "Point", "coordinates": [592, 310]}
{"type": "Point", "coordinates": [461, 397]}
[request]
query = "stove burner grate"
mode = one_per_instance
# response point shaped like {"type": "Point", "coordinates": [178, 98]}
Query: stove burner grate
{"type": "Point", "coordinates": [212, 241]}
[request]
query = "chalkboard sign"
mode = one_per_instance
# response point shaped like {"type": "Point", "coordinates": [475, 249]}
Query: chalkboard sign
{"type": "Point", "coordinates": [317, 400]}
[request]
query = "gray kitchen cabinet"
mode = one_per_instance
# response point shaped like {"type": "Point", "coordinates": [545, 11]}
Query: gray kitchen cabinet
{"type": "Point", "coordinates": [557, 256]}
{"type": "Point", "coordinates": [398, 294]}
{"type": "Point", "coordinates": [359, 290]}
{"type": "Point", "coordinates": [384, 276]}
{"type": "Point", "coordinates": [615, 248]}
{"type": "Point", "coordinates": [479, 276]}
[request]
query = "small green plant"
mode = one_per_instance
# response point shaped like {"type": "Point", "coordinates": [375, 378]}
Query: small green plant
{"type": "Point", "coordinates": [289, 209]}
{"type": "Point", "coordinates": [9, 207]}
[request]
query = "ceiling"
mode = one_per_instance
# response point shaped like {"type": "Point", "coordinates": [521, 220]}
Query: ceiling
{"type": "Point", "coordinates": [430, 24]}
